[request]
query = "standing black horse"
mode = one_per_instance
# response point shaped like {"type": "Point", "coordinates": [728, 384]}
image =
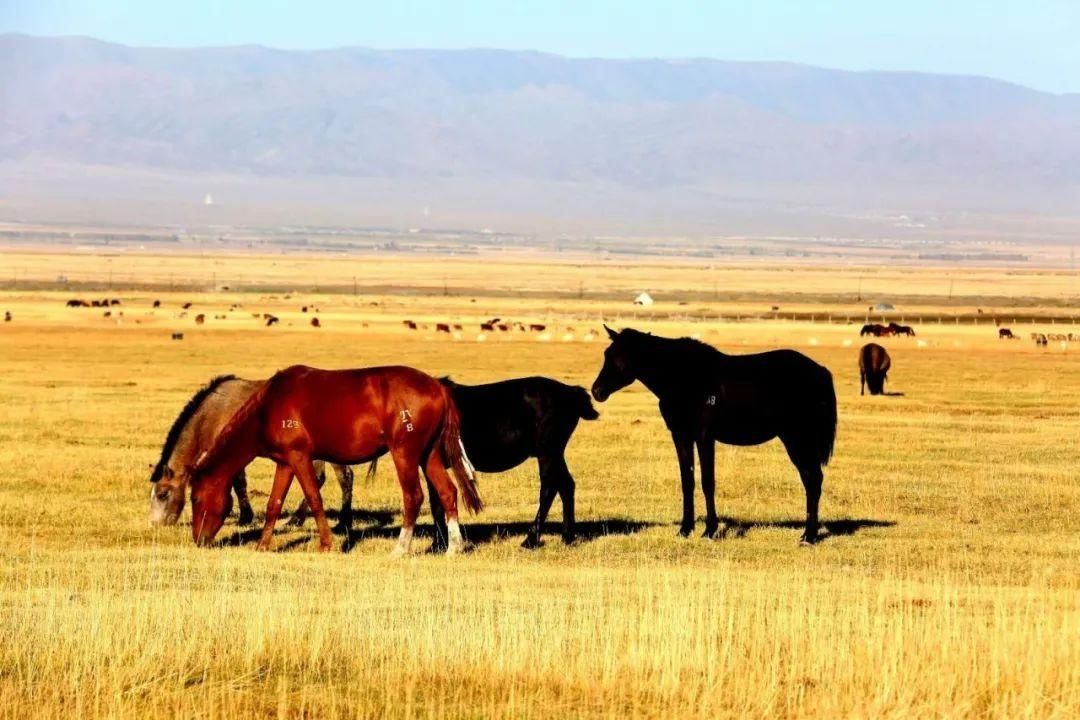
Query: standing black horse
{"type": "Point", "coordinates": [707, 396]}
{"type": "Point", "coordinates": [503, 424]}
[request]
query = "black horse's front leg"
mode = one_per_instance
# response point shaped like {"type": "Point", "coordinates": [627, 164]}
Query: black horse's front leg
{"type": "Point", "coordinates": [684, 448]}
{"type": "Point", "coordinates": [550, 486]}
{"type": "Point", "coordinates": [707, 453]}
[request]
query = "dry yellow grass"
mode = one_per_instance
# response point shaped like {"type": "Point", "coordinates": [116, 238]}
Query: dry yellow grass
{"type": "Point", "coordinates": [948, 587]}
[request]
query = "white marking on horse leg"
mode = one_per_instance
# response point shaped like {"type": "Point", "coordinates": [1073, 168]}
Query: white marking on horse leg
{"type": "Point", "coordinates": [465, 457]}
{"type": "Point", "coordinates": [404, 543]}
{"type": "Point", "coordinates": [455, 543]}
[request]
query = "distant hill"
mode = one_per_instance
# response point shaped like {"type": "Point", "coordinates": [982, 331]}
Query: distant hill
{"type": "Point", "coordinates": [681, 140]}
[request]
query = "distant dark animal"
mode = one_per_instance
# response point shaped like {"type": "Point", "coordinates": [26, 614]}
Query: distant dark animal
{"type": "Point", "coordinates": [775, 308]}
{"type": "Point", "coordinates": [178, 336]}
{"type": "Point", "coordinates": [95, 303]}
{"type": "Point", "coordinates": [1005, 334]}
{"type": "Point", "coordinates": [906, 330]}
{"type": "Point", "coordinates": [193, 432]}
{"type": "Point", "coordinates": [114, 301]}
{"type": "Point", "coordinates": [200, 319]}
{"type": "Point", "coordinates": [537, 327]}
{"type": "Point", "coordinates": [505, 423]}
{"type": "Point", "coordinates": [493, 321]}
{"type": "Point", "coordinates": [107, 313]}
{"type": "Point", "coordinates": [186, 306]}
{"type": "Point", "coordinates": [457, 327]}
{"type": "Point", "coordinates": [872, 329]}
{"type": "Point", "coordinates": [315, 322]}
{"type": "Point", "coordinates": [348, 416]}
{"type": "Point", "coordinates": [707, 396]}
{"type": "Point", "coordinates": [1040, 339]}
{"type": "Point", "coordinates": [271, 321]}
{"type": "Point", "coordinates": [409, 324]}
{"type": "Point", "coordinates": [874, 364]}
{"type": "Point", "coordinates": [442, 327]}
{"type": "Point", "coordinates": [503, 327]}
{"type": "Point", "coordinates": [7, 316]}
{"type": "Point", "coordinates": [303, 309]}
{"type": "Point", "coordinates": [157, 303]}
{"type": "Point", "coordinates": [487, 327]}
{"type": "Point", "coordinates": [77, 303]}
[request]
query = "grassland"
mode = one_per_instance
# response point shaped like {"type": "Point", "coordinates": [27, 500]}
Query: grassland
{"type": "Point", "coordinates": [948, 585]}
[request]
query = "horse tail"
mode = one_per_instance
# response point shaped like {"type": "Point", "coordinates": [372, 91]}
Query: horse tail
{"type": "Point", "coordinates": [827, 423]}
{"type": "Point", "coordinates": [371, 468]}
{"type": "Point", "coordinates": [585, 408]}
{"type": "Point", "coordinates": [239, 422]}
{"type": "Point", "coordinates": [454, 456]}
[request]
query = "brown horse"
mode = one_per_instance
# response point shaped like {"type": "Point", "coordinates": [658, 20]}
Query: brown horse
{"type": "Point", "coordinates": [347, 417]}
{"type": "Point", "coordinates": [874, 364]}
{"type": "Point", "coordinates": [192, 434]}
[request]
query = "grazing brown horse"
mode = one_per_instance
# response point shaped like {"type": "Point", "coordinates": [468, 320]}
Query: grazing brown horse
{"type": "Point", "coordinates": [347, 417]}
{"type": "Point", "coordinates": [193, 433]}
{"type": "Point", "coordinates": [874, 364]}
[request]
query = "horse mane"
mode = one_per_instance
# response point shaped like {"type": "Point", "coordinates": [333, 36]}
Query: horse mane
{"type": "Point", "coordinates": [688, 348]}
{"type": "Point", "coordinates": [181, 422]}
{"type": "Point", "coordinates": [232, 428]}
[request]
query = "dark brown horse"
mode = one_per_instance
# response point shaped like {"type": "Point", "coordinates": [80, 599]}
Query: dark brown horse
{"type": "Point", "coordinates": [346, 417]}
{"type": "Point", "coordinates": [708, 397]}
{"type": "Point", "coordinates": [874, 364]}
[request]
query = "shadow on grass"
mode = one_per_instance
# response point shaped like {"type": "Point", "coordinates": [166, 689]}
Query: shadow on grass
{"type": "Point", "coordinates": [831, 528]}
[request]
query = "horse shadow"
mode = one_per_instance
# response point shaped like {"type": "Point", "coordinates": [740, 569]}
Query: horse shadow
{"type": "Point", "coordinates": [478, 534]}
{"type": "Point", "coordinates": [374, 518]}
{"type": "Point", "coordinates": [832, 528]}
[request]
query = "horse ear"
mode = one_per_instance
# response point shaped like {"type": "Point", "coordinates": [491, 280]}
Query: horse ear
{"type": "Point", "coordinates": [611, 333]}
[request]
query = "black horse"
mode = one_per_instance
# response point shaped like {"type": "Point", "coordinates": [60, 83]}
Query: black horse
{"type": "Point", "coordinates": [505, 423]}
{"type": "Point", "coordinates": [707, 396]}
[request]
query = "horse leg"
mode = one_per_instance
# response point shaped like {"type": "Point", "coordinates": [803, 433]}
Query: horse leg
{"type": "Point", "coordinates": [684, 448]}
{"type": "Point", "coordinates": [566, 494]}
{"type": "Point", "coordinates": [305, 473]}
{"type": "Point", "coordinates": [345, 480]}
{"type": "Point", "coordinates": [862, 382]}
{"type": "Point", "coordinates": [302, 512]}
{"type": "Point", "coordinates": [438, 518]}
{"type": "Point", "coordinates": [812, 477]}
{"type": "Point", "coordinates": [407, 464]}
{"type": "Point", "coordinates": [436, 473]}
{"type": "Point", "coordinates": [282, 479]}
{"type": "Point", "coordinates": [549, 488]}
{"type": "Point", "coordinates": [707, 453]}
{"type": "Point", "coordinates": [247, 516]}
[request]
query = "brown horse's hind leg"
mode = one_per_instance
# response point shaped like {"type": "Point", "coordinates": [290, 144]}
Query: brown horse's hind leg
{"type": "Point", "coordinates": [247, 515]}
{"type": "Point", "coordinates": [440, 479]}
{"type": "Point", "coordinates": [412, 496]}
{"type": "Point", "coordinates": [282, 479]}
{"type": "Point", "coordinates": [305, 473]}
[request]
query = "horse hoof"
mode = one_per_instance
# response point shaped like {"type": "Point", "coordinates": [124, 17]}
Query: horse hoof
{"type": "Point", "coordinates": [531, 542]}
{"type": "Point", "coordinates": [569, 539]}
{"type": "Point", "coordinates": [262, 547]}
{"type": "Point", "coordinates": [325, 548]}
{"type": "Point", "coordinates": [685, 531]}
{"type": "Point", "coordinates": [246, 518]}
{"type": "Point", "coordinates": [805, 541]}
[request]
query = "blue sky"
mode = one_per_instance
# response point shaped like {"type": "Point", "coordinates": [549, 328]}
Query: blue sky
{"type": "Point", "coordinates": [1035, 43]}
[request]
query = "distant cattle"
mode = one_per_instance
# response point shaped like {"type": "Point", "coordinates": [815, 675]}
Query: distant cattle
{"type": "Point", "coordinates": [157, 303]}
{"type": "Point", "coordinates": [442, 327]}
{"type": "Point", "coordinates": [200, 319]}
{"type": "Point", "coordinates": [95, 303]}
{"type": "Point", "coordinates": [7, 316]}
{"type": "Point", "coordinates": [114, 301]}
{"type": "Point", "coordinates": [178, 336]}
{"type": "Point", "coordinates": [1040, 339]}
{"type": "Point", "coordinates": [409, 324]}
{"type": "Point", "coordinates": [487, 327]}
{"type": "Point", "coordinates": [271, 321]}
{"type": "Point", "coordinates": [108, 313]}
{"type": "Point", "coordinates": [458, 327]}
{"type": "Point", "coordinates": [874, 364]}
{"type": "Point", "coordinates": [493, 321]}
{"type": "Point", "coordinates": [537, 327]}
{"type": "Point", "coordinates": [1005, 334]}
{"type": "Point", "coordinates": [315, 322]}
{"type": "Point", "coordinates": [77, 303]}
{"type": "Point", "coordinates": [303, 309]}
{"type": "Point", "coordinates": [503, 327]}
{"type": "Point", "coordinates": [186, 306]}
